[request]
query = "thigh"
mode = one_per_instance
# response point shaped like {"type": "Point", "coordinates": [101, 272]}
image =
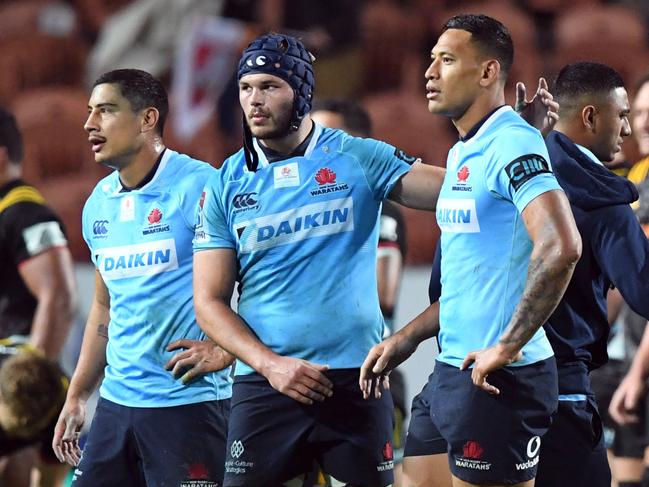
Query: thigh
{"type": "Point", "coordinates": [573, 448]}
{"type": "Point", "coordinates": [267, 432]}
{"type": "Point", "coordinates": [426, 471]}
{"type": "Point", "coordinates": [353, 437]}
{"type": "Point", "coordinates": [109, 457]}
{"type": "Point", "coordinates": [183, 444]}
{"type": "Point", "coordinates": [494, 439]}
{"type": "Point", "coordinates": [423, 438]}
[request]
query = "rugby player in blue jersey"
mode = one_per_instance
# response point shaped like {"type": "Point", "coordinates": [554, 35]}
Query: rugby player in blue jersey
{"type": "Point", "coordinates": [509, 246]}
{"type": "Point", "coordinates": [162, 415]}
{"type": "Point", "coordinates": [293, 217]}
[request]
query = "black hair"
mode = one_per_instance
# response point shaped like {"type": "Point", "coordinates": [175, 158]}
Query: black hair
{"type": "Point", "coordinates": [10, 137]}
{"type": "Point", "coordinates": [355, 117]}
{"type": "Point", "coordinates": [141, 89]}
{"type": "Point", "coordinates": [584, 78]}
{"type": "Point", "coordinates": [490, 35]}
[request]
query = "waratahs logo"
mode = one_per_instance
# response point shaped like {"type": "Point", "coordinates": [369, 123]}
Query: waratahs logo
{"type": "Point", "coordinates": [325, 176]}
{"type": "Point", "coordinates": [326, 179]}
{"type": "Point", "coordinates": [463, 174]}
{"type": "Point", "coordinates": [155, 216]}
{"type": "Point", "coordinates": [473, 450]}
{"type": "Point", "coordinates": [153, 220]}
{"type": "Point", "coordinates": [388, 452]}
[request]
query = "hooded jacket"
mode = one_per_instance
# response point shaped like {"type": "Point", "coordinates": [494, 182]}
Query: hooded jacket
{"type": "Point", "coordinates": [615, 254]}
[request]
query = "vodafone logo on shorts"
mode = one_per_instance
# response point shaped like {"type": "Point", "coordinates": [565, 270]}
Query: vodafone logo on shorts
{"type": "Point", "coordinates": [533, 447]}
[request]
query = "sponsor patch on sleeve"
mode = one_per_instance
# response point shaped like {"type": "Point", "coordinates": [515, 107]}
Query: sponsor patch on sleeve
{"type": "Point", "coordinates": [526, 167]}
{"type": "Point", "coordinates": [43, 236]}
{"type": "Point", "coordinates": [399, 154]}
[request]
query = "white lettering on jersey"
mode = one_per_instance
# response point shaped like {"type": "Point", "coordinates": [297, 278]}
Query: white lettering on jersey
{"type": "Point", "coordinates": [286, 176]}
{"type": "Point", "coordinates": [316, 220]}
{"type": "Point", "coordinates": [457, 215]}
{"type": "Point", "coordinates": [145, 259]}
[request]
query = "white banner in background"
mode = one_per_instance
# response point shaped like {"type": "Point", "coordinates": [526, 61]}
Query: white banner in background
{"type": "Point", "coordinates": [205, 60]}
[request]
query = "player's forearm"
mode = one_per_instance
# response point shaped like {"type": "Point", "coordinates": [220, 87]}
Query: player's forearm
{"type": "Point", "coordinates": [226, 328]}
{"type": "Point", "coordinates": [640, 365]}
{"type": "Point", "coordinates": [92, 359]}
{"type": "Point", "coordinates": [52, 321]}
{"type": "Point", "coordinates": [423, 326]}
{"type": "Point", "coordinates": [548, 275]}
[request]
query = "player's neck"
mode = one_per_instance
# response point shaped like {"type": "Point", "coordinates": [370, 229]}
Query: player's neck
{"type": "Point", "coordinates": [141, 163]}
{"type": "Point", "coordinates": [288, 143]}
{"type": "Point", "coordinates": [11, 173]}
{"type": "Point", "coordinates": [482, 106]}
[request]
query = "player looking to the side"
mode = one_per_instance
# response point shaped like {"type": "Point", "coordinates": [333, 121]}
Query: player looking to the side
{"type": "Point", "coordinates": [293, 217]}
{"type": "Point", "coordinates": [509, 246]}
{"type": "Point", "coordinates": [162, 416]}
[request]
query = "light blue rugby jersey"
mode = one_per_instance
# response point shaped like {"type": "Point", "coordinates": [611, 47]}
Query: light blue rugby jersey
{"type": "Point", "coordinates": [141, 242]}
{"type": "Point", "coordinates": [489, 181]}
{"type": "Point", "coordinates": [305, 231]}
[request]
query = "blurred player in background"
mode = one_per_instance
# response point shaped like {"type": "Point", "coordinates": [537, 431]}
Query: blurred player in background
{"type": "Point", "coordinates": [32, 392]}
{"type": "Point", "coordinates": [37, 289]}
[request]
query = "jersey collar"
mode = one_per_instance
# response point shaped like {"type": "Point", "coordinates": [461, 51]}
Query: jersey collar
{"type": "Point", "coordinates": [481, 127]}
{"type": "Point", "coordinates": [263, 160]}
{"type": "Point", "coordinates": [151, 178]}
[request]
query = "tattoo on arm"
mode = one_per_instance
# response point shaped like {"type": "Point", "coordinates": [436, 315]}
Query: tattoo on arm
{"type": "Point", "coordinates": [102, 331]}
{"type": "Point", "coordinates": [543, 290]}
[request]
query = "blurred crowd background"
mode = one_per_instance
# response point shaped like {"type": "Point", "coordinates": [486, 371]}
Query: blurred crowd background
{"type": "Point", "coordinates": [374, 51]}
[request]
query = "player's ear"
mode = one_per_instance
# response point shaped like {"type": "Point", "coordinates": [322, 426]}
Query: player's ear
{"type": "Point", "coordinates": [588, 117]}
{"type": "Point", "coordinates": [490, 72]}
{"type": "Point", "coordinates": [150, 118]}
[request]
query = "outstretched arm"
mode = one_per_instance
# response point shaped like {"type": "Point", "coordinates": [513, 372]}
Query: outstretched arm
{"type": "Point", "coordinates": [419, 188]}
{"type": "Point", "coordinates": [557, 248]}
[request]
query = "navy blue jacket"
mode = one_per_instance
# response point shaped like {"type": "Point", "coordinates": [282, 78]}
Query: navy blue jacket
{"type": "Point", "coordinates": [615, 254]}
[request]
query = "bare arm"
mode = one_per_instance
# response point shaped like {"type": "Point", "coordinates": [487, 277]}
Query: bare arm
{"type": "Point", "coordinates": [388, 274]}
{"type": "Point", "coordinates": [632, 388]}
{"type": "Point", "coordinates": [394, 350]}
{"type": "Point", "coordinates": [419, 188]}
{"type": "Point", "coordinates": [49, 276]}
{"type": "Point", "coordinates": [214, 278]}
{"type": "Point", "coordinates": [87, 374]}
{"type": "Point", "coordinates": [557, 248]}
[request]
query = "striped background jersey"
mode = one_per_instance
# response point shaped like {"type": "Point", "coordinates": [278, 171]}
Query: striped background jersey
{"type": "Point", "coordinates": [305, 232]}
{"type": "Point", "coordinates": [141, 243]}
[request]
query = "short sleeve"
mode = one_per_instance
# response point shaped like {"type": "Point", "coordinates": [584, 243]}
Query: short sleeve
{"type": "Point", "coordinates": [191, 191]}
{"type": "Point", "coordinates": [519, 168]}
{"type": "Point", "coordinates": [382, 164]}
{"type": "Point", "coordinates": [212, 230]}
{"type": "Point", "coordinates": [30, 229]}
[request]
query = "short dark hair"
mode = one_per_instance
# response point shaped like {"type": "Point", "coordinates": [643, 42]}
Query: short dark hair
{"type": "Point", "coordinates": [355, 117]}
{"type": "Point", "coordinates": [491, 36]}
{"type": "Point", "coordinates": [10, 137]}
{"type": "Point", "coordinates": [141, 89]}
{"type": "Point", "coordinates": [584, 78]}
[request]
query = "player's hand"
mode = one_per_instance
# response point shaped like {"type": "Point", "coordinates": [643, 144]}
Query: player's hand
{"type": "Point", "coordinates": [197, 358]}
{"type": "Point", "coordinates": [542, 111]}
{"type": "Point", "coordinates": [380, 361]}
{"type": "Point", "coordinates": [299, 379]}
{"type": "Point", "coordinates": [486, 361]}
{"type": "Point", "coordinates": [66, 433]}
{"type": "Point", "coordinates": [625, 399]}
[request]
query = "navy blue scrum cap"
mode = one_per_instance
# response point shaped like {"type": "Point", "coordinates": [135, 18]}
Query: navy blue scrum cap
{"type": "Point", "coordinates": [285, 57]}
